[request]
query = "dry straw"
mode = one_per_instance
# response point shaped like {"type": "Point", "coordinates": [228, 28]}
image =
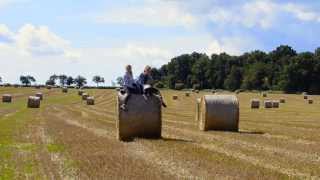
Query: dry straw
{"type": "Point", "coordinates": [39, 95]}
{"type": "Point", "coordinates": [90, 100]}
{"type": "Point", "coordinates": [141, 119]}
{"type": "Point", "coordinates": [219, 112]}
{"type": "Point", "coordinates": [85, 96]}
{"type": "Point", "coordinates": [268, 104]}
{"type": "Point", "coordinates": [7, 98]}
{"type": "Point", "coordinates": [275, 104]}
{"type": "Point", "coordinates": [255, 103]}
{"type": "Point", "coordinates": [33, 102]}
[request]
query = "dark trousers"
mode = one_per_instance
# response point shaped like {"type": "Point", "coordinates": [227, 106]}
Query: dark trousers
{"type": "Point", "coordinates": [128, 93]}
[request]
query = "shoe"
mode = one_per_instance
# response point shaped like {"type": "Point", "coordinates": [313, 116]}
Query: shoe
{"type": "Point", "coordinates": [124, 107]}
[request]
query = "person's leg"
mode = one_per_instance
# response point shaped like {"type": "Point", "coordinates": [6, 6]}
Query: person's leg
{"type": "Point", "coordinates": [126, 99]}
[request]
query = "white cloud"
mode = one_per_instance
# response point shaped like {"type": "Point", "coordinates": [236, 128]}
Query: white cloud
{"type": "Point", "coordinates": [151, 13]}
{"type": "Point", "coordinates": [37, 41]}
{"type": "Point", "coordinates": [261, 13]}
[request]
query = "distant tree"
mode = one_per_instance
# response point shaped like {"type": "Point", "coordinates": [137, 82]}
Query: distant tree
{"type": "Point", "coordinates": [26, 80]}
{"type": "Point", "coordinates": [233, 81]}
{"type": "Point", "coordinates": [98, 79]}
{"type": "Point", "coordinates": [0, 79]}
{"type": "Point", "coordinates": [119, 81]}
{"type": "Point", "coordinates": [70, 81]}
{"type": "Point", "coordinates": [80, 81]}
{"type": "Point", "coordinates": [63, 79]}
{"type": "Point", "coordinates": [52, 80]}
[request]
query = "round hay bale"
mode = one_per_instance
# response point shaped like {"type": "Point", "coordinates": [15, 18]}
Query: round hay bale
{"type": "Point", "coordinates": [90, 100]}
{"type": "Point", "coordinates": [268, 104]}
{"type": "Point", "coordinates": [141, 119]}
{"type": "Point", "coordinates": [305, 96]}
{"type": "Point", "coordinates": [175, 97]}
{"type": "Point", "coordinates": [282, 100]}
{"type": "Point", "coordinates": [80, 92]}
{"type": "Point", "coordinates": [85, 96]}
{"type": "Point", "coordinates": [33, 102]}
{"type": "Point", "coordinates": [7, 98]}
{"type": "Point", "coordinates": [264, 94]}
{"type": "Point", "coordinates": [196, 91]}
{"type": "Point", "coordinates": [40, 95]}
{"type": "Point", "coordinates": [187, 94]}
{"type": "Point", "coordinates": [37, 87]}
{"type": "Point", "coordinates": [48, 87]}
{"type": "Point", "coordinates": [310, 101]}
{"type": "Point", "coordinates": [213, 91]}
{"type": "Point", "coordinates": [219, 112]}
{"type": "Point", "coordinates": [65, 90]}
{"type": "Point", "coordinates": [255, 103]}
{"type": "Point", "coordinates": [275, 104]}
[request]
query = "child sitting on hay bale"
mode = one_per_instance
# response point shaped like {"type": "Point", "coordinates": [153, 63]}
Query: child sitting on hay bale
{"type": "Point", "coordinates": [142, 86]}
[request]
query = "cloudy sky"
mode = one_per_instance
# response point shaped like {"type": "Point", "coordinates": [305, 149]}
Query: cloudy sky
{"type": "Point", "coordinates": [42, 37]}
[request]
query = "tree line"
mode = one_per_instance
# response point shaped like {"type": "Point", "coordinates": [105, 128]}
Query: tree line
{"type": "Point", "coordinates": [281, 69]}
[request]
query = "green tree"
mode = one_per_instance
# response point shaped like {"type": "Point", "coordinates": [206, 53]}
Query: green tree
{"type": "Point", "coordinates": [233, 81]}
{"type": "Point", "coordinates": [119, 81]}
{"type": "Point", "coordinates": [27, 80]}
{"type": "Point", "coordinates": [80, 81]}
{"type": "Point", "coordinates": [70, 81]}
{"type": "Point", "coordinates": [63, 79]}
{"type": "Point", "coordinates": [98, 79]}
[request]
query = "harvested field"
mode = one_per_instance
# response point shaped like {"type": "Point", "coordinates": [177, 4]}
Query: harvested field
{"type": "Point", "coordinates": [66, 139]}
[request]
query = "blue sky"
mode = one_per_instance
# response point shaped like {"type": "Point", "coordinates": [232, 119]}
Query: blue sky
{"type": "Point", "coordinates": [40, 37]}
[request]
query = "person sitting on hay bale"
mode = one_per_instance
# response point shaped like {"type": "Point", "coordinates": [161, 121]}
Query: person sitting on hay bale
{"type": "Point", "coordinates": [129, 86]}
{"type": "Point", "coordinates": [143, 85]}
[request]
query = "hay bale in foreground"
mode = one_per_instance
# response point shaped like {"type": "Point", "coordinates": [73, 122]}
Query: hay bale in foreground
{"type": "Point", "coordinates": [282, 100]}
{"type": "Point", "coordinates": [175, 97]}
{"type": "Point", "coordinates": [142, 118]}
{"type": "Point", "coordinates": [33, 102]}
{"type": "Point", "coordinates": [39, 95]}
{"type": "Point", "coordinates": [275, 104]}
{"type": "Point", "coordinates": [85, 96]}
{"type": "Point", "coordinates": [268, 104]}
{"type": "Point", "coordinates": [90, 100]}
{"type": "Point", "coordinates": [310, 101]}
{"type": "Point", "coordinates": [219, 112]}
{"type": "Point", "coordinates": [255, 103]}
{"type": "Point", "coordinates": [65, 90]}
{"type": "Point", "coordinates": [6, 98]}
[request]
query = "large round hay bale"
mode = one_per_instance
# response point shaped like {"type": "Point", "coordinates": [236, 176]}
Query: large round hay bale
{"type": "Point", "coordinates": [219, 112]}
{"type": "Point", "coordinates": [255, 103]}
{"type": "Point", "coordinates": [275, 104]}
{"type": "Point", "coordinates": [90, 100]}
{"type": "Point", "coordinates": [310, 101]}
{"type": "Point", "coordinates": [40, 95]}
{"type": "Point", "coordinates": [268, 104]}
{"type": "Point", "coordinates": [6, 98]}
{"type": "Point", "coordinates": [282, 100]}
{"type": "Point", "coordinates": [175, 97]}
{"type": "Point", "coordinates": [33, 102]}
{"type": "Point", "coordinates": [85, 96]}
{"type": "Point", "coordinates": [65, 90]}
{"type": "Point", "coordinates": [141, 119]}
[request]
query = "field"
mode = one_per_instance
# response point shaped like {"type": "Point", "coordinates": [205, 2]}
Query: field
{"type": "Point", "coordinates": [66, 139]}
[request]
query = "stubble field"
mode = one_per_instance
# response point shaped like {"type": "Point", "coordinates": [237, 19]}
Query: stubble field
{"type": "Point", "coordinates": [66, 139]}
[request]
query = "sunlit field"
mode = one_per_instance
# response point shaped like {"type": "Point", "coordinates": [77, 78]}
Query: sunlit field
{"type": "Point", "coordinates": [67, 139]}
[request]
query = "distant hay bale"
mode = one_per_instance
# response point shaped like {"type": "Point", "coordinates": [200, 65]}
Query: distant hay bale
{"type": "Point", "coordinates": [85, 96]}
{"type": "Point", "coordinates": [48, 87]}
{"type": "Point", "coordinates": [310, 101]}
{"type": "Point", "coordinates": [141, 119]}
{"type": "Point", "coordinates": [275, 104]}
{"type": "Point", "coordinates": [90, 100]}
{"type": "Point", "coordinates": [196, 91]}
{"type": "Point", "coordinates": [37, 87]}
{"type": "Point", "coordinates": [80, 92]}
{"type": "Point", "coordinates": [65, 90]}
{"type": "Point", "coordinates": [218, 112]}
{"type": "Point", "coordinates": [213, 91]}
{"type": "Point", "coordinates": [282, 100]}
{"type": "Point", "coordinates": [6, 98]}
{"type": "Point", "coordinates": [175, 97]}
{"type": "Point", "coordinates": [118, 89]}
{"type": "Point", "coordinates": [187, 94]}
{"type": "Point", "coordinates": [268, 104]}
{"type": "Point", "coordinates": [33, 102]}
{"type": "Point", "coordinates": [305, 96]}
{"type": "Point", "coordinates": [264, 94]}
{"type": "Point", "coordinates": [255, 103]}
{"type": "Point", "coordinates": [40, 95]}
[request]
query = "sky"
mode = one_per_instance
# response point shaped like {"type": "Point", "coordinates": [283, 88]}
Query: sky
{"type": "Point", "coordinates": [100, 37]}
